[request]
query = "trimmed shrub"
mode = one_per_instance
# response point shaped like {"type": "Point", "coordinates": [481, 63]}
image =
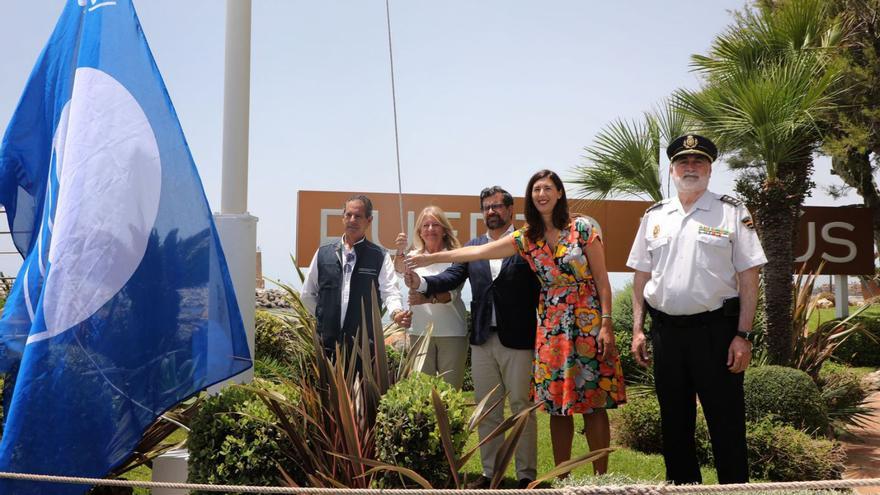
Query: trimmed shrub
{"type": "Point", "coordinates": [407, 432]}
{"type": "Point", "coordinates": [639, 428]}
{"type": "Point", "coordinates": [622, 316]}
{"type": "Point", "coordinates": [395, 358]}
{"type": "Point", "coordinates": [232, 441]}
{"type": "Point", "coordinates": [841, 387]}
{"type": "Point", "coordinates": [779, 452]}
{"type": "Point", "coordinates": [859, 349]}
{"type": "Point", "coordinates": [273, 340]}
{"type": "Point", "coordinates": [786, 393]}
{"type": "Point", "coordinates": [282, 350]}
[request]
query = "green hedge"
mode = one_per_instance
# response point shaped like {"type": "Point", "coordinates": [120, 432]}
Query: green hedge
{"type": "Point", "coordinates": [273, 339]}
{"type": "Point", "coordinates": [780, 452]}
{"type": "Point", "coordinates": [622, 316]}
{"type": "Point", "coordinates": [859, 349]}
{"type": "Point", "coordinates": [232, 441]}
{"type": "Point", "coordinates": [841, 387]}
{"type": "Point", "coordinates": [786, 393]}
{"type": "Point", "coordinates": [639, 428]}
{"type": "Point", "coordinates": [407, 432]}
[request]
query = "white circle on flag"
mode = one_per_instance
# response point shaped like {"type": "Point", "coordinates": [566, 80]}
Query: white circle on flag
{"type": "Point", "coordinates": [109, 175]}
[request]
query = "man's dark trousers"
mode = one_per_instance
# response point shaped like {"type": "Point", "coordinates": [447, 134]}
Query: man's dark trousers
{"type": "Point", "coordinates": [690, 360]}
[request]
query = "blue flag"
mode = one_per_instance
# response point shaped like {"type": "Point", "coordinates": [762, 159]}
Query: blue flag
{"type": "Point", "coordinates": [124, 305]}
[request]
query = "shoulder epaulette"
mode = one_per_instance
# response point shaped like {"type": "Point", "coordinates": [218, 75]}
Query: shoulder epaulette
{"type": "Point", "coordinates": [731, 200]}
{"type": "Point", "coordinates": [655, 205]}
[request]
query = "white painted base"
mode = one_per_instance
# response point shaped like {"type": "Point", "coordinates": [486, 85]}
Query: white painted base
{"type": "Point", "coordinates": [171, 467]}
{"type": "Point", "coordinates": [238, 235]}
{"type": "Point", "coordinates": [841, 296]}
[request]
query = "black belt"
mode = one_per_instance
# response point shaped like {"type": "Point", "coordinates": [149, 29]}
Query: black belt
{"type": "Point", "coordinates": [688, 320]}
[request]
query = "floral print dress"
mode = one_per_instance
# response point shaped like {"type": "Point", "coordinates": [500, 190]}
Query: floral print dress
{"type": "Point", "coordinates": [568, 376]}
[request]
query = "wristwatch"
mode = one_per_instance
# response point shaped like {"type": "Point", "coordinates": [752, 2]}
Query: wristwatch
{"type": "Point", "coordinates": [750, 336]}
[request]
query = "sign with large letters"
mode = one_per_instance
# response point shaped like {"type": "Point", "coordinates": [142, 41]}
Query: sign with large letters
{"type": "Point", "coordinates": [840, 236]}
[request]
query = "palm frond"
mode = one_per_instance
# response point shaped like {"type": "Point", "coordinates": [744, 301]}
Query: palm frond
{"type": "Point", "coordinates": [621, 161]}
{"type": "Point", "coordinates": [771, 113]}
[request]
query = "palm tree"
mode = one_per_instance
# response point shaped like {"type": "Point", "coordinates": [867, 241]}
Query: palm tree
{"type": "Point", "coordinates": [624, 158]}
{"type": "Point", "coordinates": [768, 79]}
{"type": "Point", "coordinates": [855, 124]}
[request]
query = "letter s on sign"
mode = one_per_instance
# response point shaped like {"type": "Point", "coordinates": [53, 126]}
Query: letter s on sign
{"type": "Point", "coordinates": [827, 237]}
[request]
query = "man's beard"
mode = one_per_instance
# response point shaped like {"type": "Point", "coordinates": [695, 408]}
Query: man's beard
{"type": "Point", "coordinates": [690, 185]}
{"type": "Point", "coordinates": [495, 222]}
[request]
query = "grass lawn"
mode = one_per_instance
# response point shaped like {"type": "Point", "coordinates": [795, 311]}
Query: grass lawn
{"type": "Point", "coordinates": [144, 473]}
{"type": "Point", "coordinates": [822, 315]}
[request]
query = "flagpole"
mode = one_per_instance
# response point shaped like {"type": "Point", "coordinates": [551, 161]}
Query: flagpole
{"type": "Point", "coordinates": [236, 107]}
{"type": "Point", "coordinates": [236, 227]}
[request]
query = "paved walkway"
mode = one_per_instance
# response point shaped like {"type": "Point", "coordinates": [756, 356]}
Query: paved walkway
{"type": "Point", "coordinates": [863, 457]}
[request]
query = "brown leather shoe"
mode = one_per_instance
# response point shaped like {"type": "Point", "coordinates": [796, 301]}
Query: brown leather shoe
{"type": "Point", "coordinates": [481, 483]}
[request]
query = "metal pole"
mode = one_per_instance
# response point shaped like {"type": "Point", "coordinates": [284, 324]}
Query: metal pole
{"type": "Point", "coordinates": [236, 107]}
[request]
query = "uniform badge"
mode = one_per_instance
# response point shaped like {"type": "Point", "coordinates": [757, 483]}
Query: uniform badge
{"type": "Point", "coordinates": [690, 142]}
{"type": "Point", "coordinates": [713, 231]}
{"type": "Point", "coordinates": [747, 221]}
{"type": "Point", "coordinates": [656, 230]}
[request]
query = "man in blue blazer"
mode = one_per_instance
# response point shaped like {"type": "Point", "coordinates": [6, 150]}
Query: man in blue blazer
{"type": "Point", "coordinates": [503, 317]}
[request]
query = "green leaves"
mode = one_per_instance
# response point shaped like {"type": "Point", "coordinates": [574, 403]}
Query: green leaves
{"type": "Point", "coordinates": [624, 158]}
{"type": "Point", "coordinates": [769, 79]}
{"type": "Point", "coordinates": [813, 347]}
{"type": "Point", "coordinates": [769, 110]}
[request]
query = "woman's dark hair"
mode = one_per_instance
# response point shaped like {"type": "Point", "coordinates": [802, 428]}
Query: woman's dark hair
{"type": "Point", "coordinates": [533, 217]}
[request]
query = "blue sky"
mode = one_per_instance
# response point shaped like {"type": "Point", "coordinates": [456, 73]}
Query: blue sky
{"type": "Point", "coordinates": [488, 91]}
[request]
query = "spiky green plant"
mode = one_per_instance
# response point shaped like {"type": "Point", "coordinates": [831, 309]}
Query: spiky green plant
{"type": "Point", "coordinates": [330, 426]}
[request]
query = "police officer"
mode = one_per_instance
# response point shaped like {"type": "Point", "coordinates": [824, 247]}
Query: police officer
{"type": "Point", "coordinates": [696, 259]}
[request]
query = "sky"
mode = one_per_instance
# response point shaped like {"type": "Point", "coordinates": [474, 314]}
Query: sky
{"type": "Point", "coordinates": [487, 91]}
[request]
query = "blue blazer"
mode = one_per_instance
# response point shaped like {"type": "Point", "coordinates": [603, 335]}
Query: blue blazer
{"type": "Point", "coordinates": [514, 295]}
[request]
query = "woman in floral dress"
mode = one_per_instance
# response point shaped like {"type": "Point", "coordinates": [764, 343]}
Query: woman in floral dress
{"type": "Point", "coordinates": [577, 369]}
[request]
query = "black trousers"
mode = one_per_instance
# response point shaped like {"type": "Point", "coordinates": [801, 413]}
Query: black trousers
{"type": "Point", "coordinates": [690, 361]}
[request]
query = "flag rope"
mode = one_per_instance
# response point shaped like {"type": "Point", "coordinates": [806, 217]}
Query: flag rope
{"type": "Point", "coordinates": [657, 489]}
{"type": "Point", "coordinates": [394, 108]}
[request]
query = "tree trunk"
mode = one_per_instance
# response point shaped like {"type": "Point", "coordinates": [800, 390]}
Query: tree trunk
{"type": "Point", "coordinates": [775, 204]}
{"type": "Point", "coordinates": [774, 223]}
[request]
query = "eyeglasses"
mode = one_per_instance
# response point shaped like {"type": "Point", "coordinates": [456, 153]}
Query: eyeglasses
{"type": "Point", "coordinates": [349, 263]}
{"type": "Point", "coordinates": [496, 206]}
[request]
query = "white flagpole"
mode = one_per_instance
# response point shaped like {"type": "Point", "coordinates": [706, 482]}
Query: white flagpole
{"type": "Point", "coordinates": [236, 227]}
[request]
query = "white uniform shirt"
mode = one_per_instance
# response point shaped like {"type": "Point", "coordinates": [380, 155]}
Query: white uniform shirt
{"type": "Point", "coordinates": [388, 287]}
{"type": "Point", "coordinates": [694, 257]}
{"type": "Point", "coordinates": [447, 319]}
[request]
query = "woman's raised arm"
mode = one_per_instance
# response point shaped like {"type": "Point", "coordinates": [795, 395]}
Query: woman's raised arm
{"type": "Point", "coordinates": [501, 248]}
